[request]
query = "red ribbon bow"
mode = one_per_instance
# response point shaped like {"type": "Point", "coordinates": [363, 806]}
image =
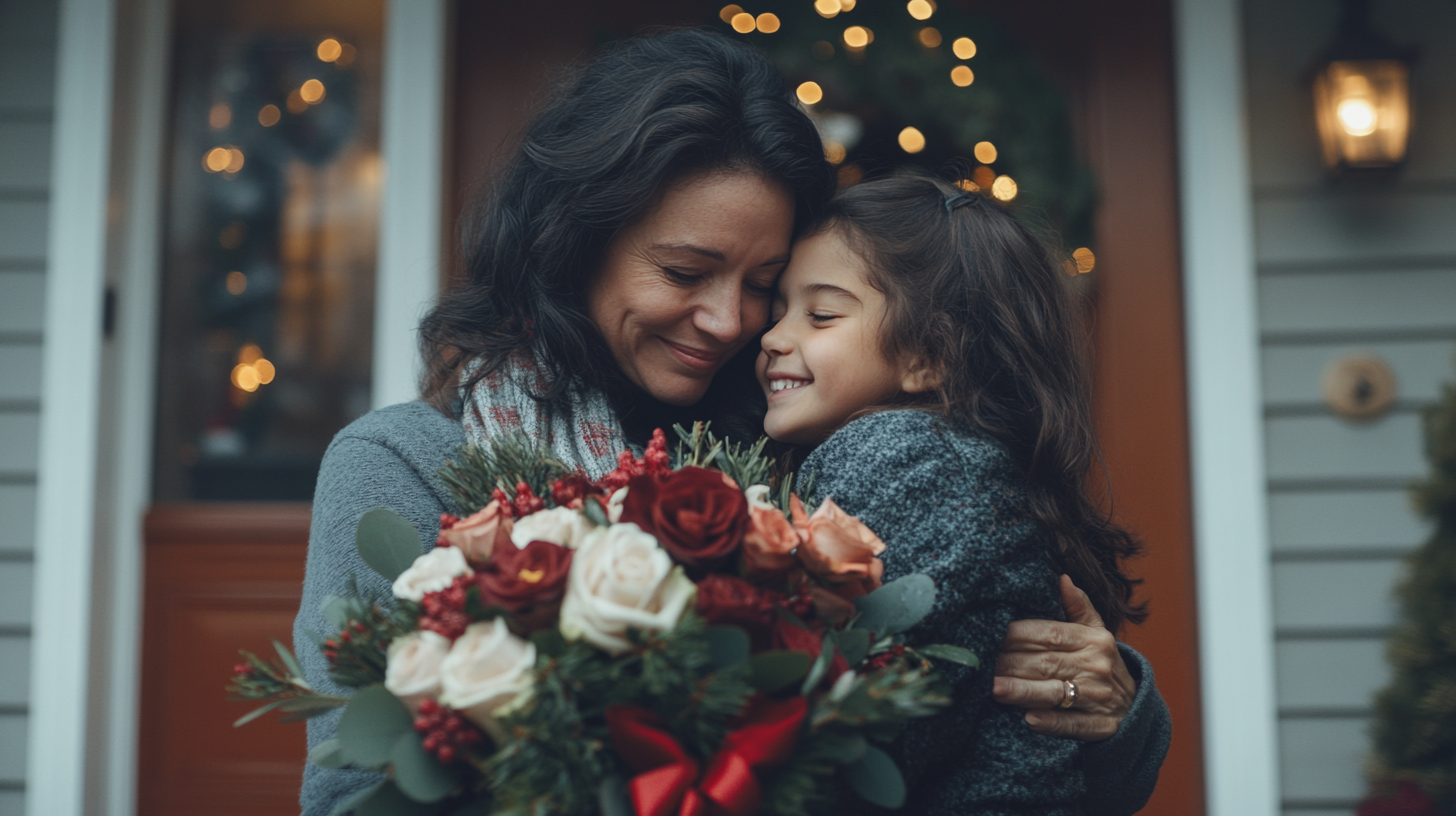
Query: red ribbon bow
{"type": "Point", "coordinates": [667, 780]}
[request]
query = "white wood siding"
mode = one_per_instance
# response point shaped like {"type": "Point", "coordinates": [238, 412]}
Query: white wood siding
{"type": "Point", "coordinates": [27, 71]}
{"type": "Point", "coordinates": [1344, 270]}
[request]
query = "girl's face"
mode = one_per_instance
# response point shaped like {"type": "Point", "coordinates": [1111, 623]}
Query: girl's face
{"type": "Point", "coordinates": [690, 284]}
{"type": "Point", "coordinates": [822, 361]}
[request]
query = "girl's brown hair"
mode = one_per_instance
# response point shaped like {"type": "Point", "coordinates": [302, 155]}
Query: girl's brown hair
{"type": "Point", "coordinates": [982, 302]}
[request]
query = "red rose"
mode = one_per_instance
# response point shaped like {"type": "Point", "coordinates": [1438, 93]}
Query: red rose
{"type": "Point", "coordinates": [724, 600]}
{"type": "Point", "coordinates": [692, 513]}
{"type": "Point", "coordinates": [528, 582]}
{"type": "Point", "coordinates": [790, 635]}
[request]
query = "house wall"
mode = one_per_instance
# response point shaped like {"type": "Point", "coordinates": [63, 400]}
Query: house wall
{"type": "Point", "coordinates": [27, 69]}
{"type": "Point", "coordinates": [1344, 269]}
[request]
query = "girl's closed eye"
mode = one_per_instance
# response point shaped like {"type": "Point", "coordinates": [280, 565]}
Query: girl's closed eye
{"type": "Point", "coordinates": [821, 317]}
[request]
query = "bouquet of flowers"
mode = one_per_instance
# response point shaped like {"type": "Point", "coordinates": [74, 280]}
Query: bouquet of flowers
{"type": "Point", "coordinates": [659, 641]}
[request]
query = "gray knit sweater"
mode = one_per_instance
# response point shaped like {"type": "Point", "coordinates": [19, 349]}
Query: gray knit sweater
{"type": "Point", "coordinates": [391, 458]}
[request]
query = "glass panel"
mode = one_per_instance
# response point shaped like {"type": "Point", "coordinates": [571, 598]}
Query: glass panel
{"type": "Point", "coordinates": [268, 293]}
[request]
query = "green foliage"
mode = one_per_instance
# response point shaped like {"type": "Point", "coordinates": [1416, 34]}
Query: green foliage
{"type": "Point", "coordinates": [1415, 727]}
{"type": "Point", "coordinates": [897, 81]}
{"type": "Point", "coordinates": [387, 542]}
{"type": "Point", "coordinates": [747, 465]}
{"type": "Point", "coordinates": [876, 777]}
{"type": "Point", "coordinates": [475, 472]}
{"type": "Point", "coordinates": [281, 683]}
{"type": "Point", "coordinates": [896, 606]}
{"type": "Point", "coordinates": [359, 659]}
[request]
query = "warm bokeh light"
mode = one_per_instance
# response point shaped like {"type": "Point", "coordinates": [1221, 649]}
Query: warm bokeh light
{"type": "Point", "coordinates": [265, 370]}
{"type": "Point", "coordinates": [827, 8]}
{"type": "Point", "coordinates": [246, 377]}
{"type": "Point", "coordinates": [330, 50]}
{"type": "Point", "coordinates": [823, 49]}
{"type": "Point", "coordinates": [768, 23]}
{"type": "Point", "coordinates": [237, 282]}
{"type": "Point", "coordinates": [743, 22]}
{"type": "Point", "coordinates": [295, 103]}
{"type": "Point", "coordinates": [964, 48]}
{"type": "Point", "coordinates": [834, 151]}
{"type": "Point", "coordinates": [912, 140]}
{"type": "Point", "coordinates": [968, 185]}
{"type": "Point", "coordinates": [269, 115]}
{"type": "Point", "coordinates": [235, 160]}
{"type": "Point", "coordinates": [920, 9]}
{"type": "Point", "coordinates": [929, 37]}
{"type": "Point", "coordinates": [846, 5]}
{"type": "Point", "coordinates": [312, 92]}
{"type": "Point", "coordinates": [985, 152]}
{"type": "Point", "coordinates": [983, 176]}
{"type": "Point", "coordinates": [962, 75]}
{"type": "Point", "coordinates": [220, 116]}
{"type": "Point", "coordinates": [249, 354]}
{"type": "Point", "coordinates": [728, 12]}
{"type": "Point", "coordinates": [856, 36]}
{"type": "Point", "coordinates": [1085, 260]}
{"type": "Point", "coordinates": [1004, 188]}
{"type": "Point", "coordinates": [217, 159]}
{"type": "Point", "coordinates": [1357, 117]}
{"type": "Point", "coordinates": [809, 93]}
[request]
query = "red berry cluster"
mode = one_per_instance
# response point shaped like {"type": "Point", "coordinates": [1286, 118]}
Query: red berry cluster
{"type": "Point", "coordinates": [654, 462]}
{"type": "Point", "coordinates": [572, 491]}
{"type": "Point", "coordinates": [348, 635]}
{"type": "Point", "coordinates": [525, 503]}
{"type": "Point", "coordinates": [447, 734]}
{"type": "Point", "coordinates": [885, 658]}
{"type": "Point", "coordinates": [445, 610]}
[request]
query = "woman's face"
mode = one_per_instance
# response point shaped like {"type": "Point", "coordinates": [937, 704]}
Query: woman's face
{"type": "Point", "coordinates": [690, 283]}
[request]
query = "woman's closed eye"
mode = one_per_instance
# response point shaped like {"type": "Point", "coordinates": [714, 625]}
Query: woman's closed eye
{"type": "Point", "coordinates": [679, 276]}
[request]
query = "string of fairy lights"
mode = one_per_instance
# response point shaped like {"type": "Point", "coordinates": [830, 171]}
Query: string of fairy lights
{"type": "Point", "coordinates": [855, 39]}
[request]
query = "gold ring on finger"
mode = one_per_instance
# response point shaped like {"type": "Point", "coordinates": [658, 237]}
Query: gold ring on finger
{"type": "Point", "coordinates": [1069, 695]}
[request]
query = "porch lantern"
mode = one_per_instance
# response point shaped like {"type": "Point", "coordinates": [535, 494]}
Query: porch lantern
{"type": "Point", "coordinates": [1362, 98]}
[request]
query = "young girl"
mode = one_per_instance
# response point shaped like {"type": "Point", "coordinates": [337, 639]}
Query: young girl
{"type": "Point", "coordinates": [926, 343]}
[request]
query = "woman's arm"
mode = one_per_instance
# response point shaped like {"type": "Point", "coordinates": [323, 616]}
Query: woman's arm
{"type": "Point", "coordinates": [1119, 711]}
{"type": "Point", "coordinates": [387, 459]}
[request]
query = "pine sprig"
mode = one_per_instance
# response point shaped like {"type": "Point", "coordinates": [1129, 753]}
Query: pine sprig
{"type": "Point", "coordinates": [476, 472]}
{"type": "Point", "coordinates": [747, 465]}
{"type": "Point", "coordinates": [280, 682]}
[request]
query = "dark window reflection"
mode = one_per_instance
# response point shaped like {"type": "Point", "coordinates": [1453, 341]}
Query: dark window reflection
{"type": "Point", "coordinates": [268, 298]}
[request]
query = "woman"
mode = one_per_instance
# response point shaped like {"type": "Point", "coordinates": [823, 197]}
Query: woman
{"type": "Point", "coordinates": [619, 275]}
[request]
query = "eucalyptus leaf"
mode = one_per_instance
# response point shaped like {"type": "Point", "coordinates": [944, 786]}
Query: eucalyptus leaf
{"type": "Point", "coordinates": [875, 777]}
{"type": "Point", "coordinates": [388, 800]}
{"type": "Point", "coordinates": [954, 654]}
{"type": "Point", "coordinates": [328, 754]}
{"type": "Point", "coordinates": [854, 644]}
{"type": "Point", "coordinates": [286, 655]}
{"type": "Point", "coordinates": [819, 668]}
{"type": "Point", "coordinates": [595, 512]}
{"type": "Point", "coordinates": [896, 606]}
{"type": "Point", "coordinates": [613, 797]}
{"type": "Point", "coordinates": [727, 646]}
{"type": "Point", "coordinates": [778, 669]}
{"type": "Point", "coordinates": [352, 803]}
{"type": "Point", "coordinates": [387, 542]}
{"type": "Point", "coordinates": [336, 611]}
{"type": "Point", "coordinates": [258, 712]}
{"type": "Point", "coordinates": [420, 776]}
{"type": "Point", "coordinates": [371, 725]}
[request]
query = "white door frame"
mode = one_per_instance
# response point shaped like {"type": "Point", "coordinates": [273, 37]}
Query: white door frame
{"type": "Point", "coordinates": [90, 498]}
{"type": "Point", "coordinates": [1235, 620]}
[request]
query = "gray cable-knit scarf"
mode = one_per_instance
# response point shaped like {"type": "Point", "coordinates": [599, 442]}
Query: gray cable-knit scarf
{"type": "Point", "coordinates": [587, 435]}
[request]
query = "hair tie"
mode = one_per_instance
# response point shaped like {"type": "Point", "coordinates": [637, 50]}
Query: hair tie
{"type": "Point", "coordinates": [950, 203]}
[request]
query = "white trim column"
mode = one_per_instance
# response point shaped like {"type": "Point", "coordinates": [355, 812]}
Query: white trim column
{"type": "Point", "coordinates": [413, 140]}
{"type": "Point", "coordinates": [1236, 632]}
{"type": "Point", "coordinates": [70, 399]}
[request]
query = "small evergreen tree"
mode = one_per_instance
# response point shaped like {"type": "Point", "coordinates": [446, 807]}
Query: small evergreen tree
{"type": "Point", "coordinates": [1415, 724]}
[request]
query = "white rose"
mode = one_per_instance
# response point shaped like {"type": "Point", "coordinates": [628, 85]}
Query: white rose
{"type": "Point", "coordinates": [413, 671]}
{"type": "Point", "coordinates": [487, 670]}
{"type": "Point", "coordinates": [758, 497]}
{"type": "Point", "coordinates": [559, 525]}
{"type": "Point", "coordinates": [431, 572]}
{"type": "Point", "coordinates": [621, 578]}
{"type": "Point", "coordinates": [614, 505]}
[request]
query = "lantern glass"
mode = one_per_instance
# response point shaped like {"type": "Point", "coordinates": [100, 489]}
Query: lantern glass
{"type": "Point", "coordinates": [1363, 110]}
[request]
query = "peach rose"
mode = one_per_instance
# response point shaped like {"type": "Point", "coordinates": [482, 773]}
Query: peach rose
{"type": "Point", "coordinates": [837, 546]}
{"type": "Point", "coordinates": [769, 544]}
{"type": "Point", "coordinates": [476, 535]}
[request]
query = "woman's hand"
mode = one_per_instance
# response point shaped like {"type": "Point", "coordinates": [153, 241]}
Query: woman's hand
{"type": "Point", "coordinates": [1038, 655]}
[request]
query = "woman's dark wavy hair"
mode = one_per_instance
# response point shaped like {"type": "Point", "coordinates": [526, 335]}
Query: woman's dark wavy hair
{"type": "Point", "coordinates": [612, 137]}
{"type": "Point", "coordinates": [977, 297]}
